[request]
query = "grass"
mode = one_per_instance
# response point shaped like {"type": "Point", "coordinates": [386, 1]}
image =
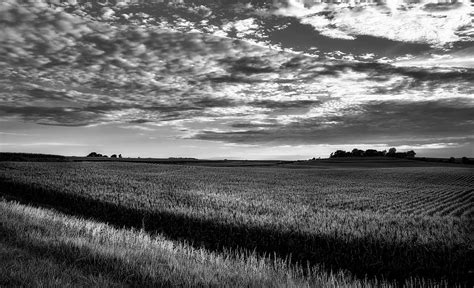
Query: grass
{"type": "Point", "coordinates": [394, 223]}
{"type": "Point", "coordinates": [44, 248]}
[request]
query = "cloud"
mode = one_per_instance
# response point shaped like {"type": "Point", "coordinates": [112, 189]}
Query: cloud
{"type": "Point", "coordinates": [84, 71]}
{"type": "Point", "coordinates": [436, 25]}
{"type": "Point", "coordinates": [463, 58]}
{"type": "Point", "coordinates": [138, 127]}
{"type": "Point", "coordinates": [284, 105]}
{"type": "Point", "coordinates": [256, 23]}
{"type": "Point", "coordinates": [380, 122]}
{"type": "Point", "coordinates": [51, 116]}
{"type": "Point", "coordinates": [434, 145]}
{"type": "Point", "coordinates": [61, 69]}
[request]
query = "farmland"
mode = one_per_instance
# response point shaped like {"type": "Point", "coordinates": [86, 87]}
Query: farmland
{"type": "Point", "coordinates": [392, 223]}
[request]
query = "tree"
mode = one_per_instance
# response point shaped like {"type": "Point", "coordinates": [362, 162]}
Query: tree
{"type": "Point", "coordinates": [411, 154]}
{"type": "Point", "coordinates": [357, 153]}
{"type": "Point", "coordinates": [94, 154]}
{"type": "Point", "coordinates": [120, 156]}
{"type": "Point", "coordinates": [391, 152]}
{"type": "Point", "coordinates": [113, 156]}
{"type": "Point", "coordinates": [370, 153]}
{"type": "Point", "coordinates": [340, 153]}
{"type": "Point", "coordinates": [373, 153]}
{"type": "Point", "coordinates": [400, 155]}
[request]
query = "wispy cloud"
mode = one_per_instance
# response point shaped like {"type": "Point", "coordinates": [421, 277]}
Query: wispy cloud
{"type": "Point", "coordinates": [463, 58]}
{"type": "Point", "coordinates": [138, 127]}
{"type": "Point", "coordinates": [381, 122]}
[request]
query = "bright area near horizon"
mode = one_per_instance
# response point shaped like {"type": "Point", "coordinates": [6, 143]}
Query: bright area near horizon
{"type": "Point", "coordinates": [163, 143]}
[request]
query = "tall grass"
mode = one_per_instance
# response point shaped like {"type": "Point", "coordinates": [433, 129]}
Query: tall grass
{"type": "Point", "coordinates": [322, 216]}
{"type": "Point", "coordinates": [43, 248]}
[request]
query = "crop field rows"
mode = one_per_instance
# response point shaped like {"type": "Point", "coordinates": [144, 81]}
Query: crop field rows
{"type": "Point", "coordinates": [443, 202]}
{"type": "Point", "coordinates": [394, 223]}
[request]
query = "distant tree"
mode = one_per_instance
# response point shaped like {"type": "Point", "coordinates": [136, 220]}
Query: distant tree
{"type": "Point", "coordinates": [391, 152]}
{"type": "Point", "coordinates": [370, 153]}
{"type": "Point", "coordinates": [373, 153]}
{"type": "Point", "coordinates": [113, 156]}
{"type": "Point", "coordinates": [465, 160]}
{"type": "Point", "coordinates": [452, 160]}
{"type": "Point", "coordinates": [94, 154]}
{"type": "Point", "coordinates": [401, 155]}
{"type": "Point", "coordinates": [410, 154]}
{"type": "Point", "coordinates": [120, 156]}
{"type": "Point", "coordinates": [105, 156]}
{"type": "Point", "coordinates": [357, 153]}
{"type": "Point", "coordinates": [340, 153]}
{"type": "Point", "coordinates": [9, 156]}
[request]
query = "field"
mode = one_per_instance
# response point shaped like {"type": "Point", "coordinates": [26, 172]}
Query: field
{"type": "Point", "coordinates": [398, 224]}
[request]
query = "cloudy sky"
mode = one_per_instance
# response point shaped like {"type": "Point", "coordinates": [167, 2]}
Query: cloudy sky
{"type": "Point", "coordinates": [231, 79]}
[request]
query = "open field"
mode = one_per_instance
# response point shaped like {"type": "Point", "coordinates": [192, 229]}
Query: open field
{"type": "Point", "coordinates": [393, 223]}
{"type": "Point", "coordinates": [44, 248]}
{"type": "Point", "coordinates": [38, 242]}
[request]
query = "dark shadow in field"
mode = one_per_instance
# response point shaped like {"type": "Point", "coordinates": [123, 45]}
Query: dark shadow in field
{"type": "Point", "coordinates": [362, 257]}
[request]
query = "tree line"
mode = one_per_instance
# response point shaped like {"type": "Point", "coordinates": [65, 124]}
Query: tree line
{"type": "Point", "coordinates": [94, 154]}
{"type": "Point", "coordinates": [392, 152]}
{"type": "Point", "coordinates": [32, 157]}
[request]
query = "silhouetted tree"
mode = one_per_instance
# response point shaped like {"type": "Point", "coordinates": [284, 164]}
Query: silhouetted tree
{"type": "Point", "coordinates": [373, 153]}
{"type": "Point", "coordinates": [401, 155]}
{"type": "Point", "coordinates": [370, 153]}
{"type": "Point", "coordinates": [391, 152]}
{"type": "Point", "coordinates": [113, 156]}
{"type": "Point", "coordinates": [120, 156]}
{"type": "Point", "coordinates": [357, 153]}
{"type": "Point", "coordinates": [452, 160]}
{"type": "Point", "coordinates": [410, 154]}
{"type": "Point", "coordinates": [340, 153]}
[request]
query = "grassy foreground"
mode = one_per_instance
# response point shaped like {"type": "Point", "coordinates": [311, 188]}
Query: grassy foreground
{"type": "Point", "coordinates": [44, 248]}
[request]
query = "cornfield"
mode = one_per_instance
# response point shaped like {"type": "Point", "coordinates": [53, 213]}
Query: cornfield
{"type": "Point", "coordinates": [393, 223]}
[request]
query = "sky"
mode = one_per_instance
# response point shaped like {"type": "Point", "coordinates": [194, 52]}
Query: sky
{"type": "Point", "coordinates": [237, 79]}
